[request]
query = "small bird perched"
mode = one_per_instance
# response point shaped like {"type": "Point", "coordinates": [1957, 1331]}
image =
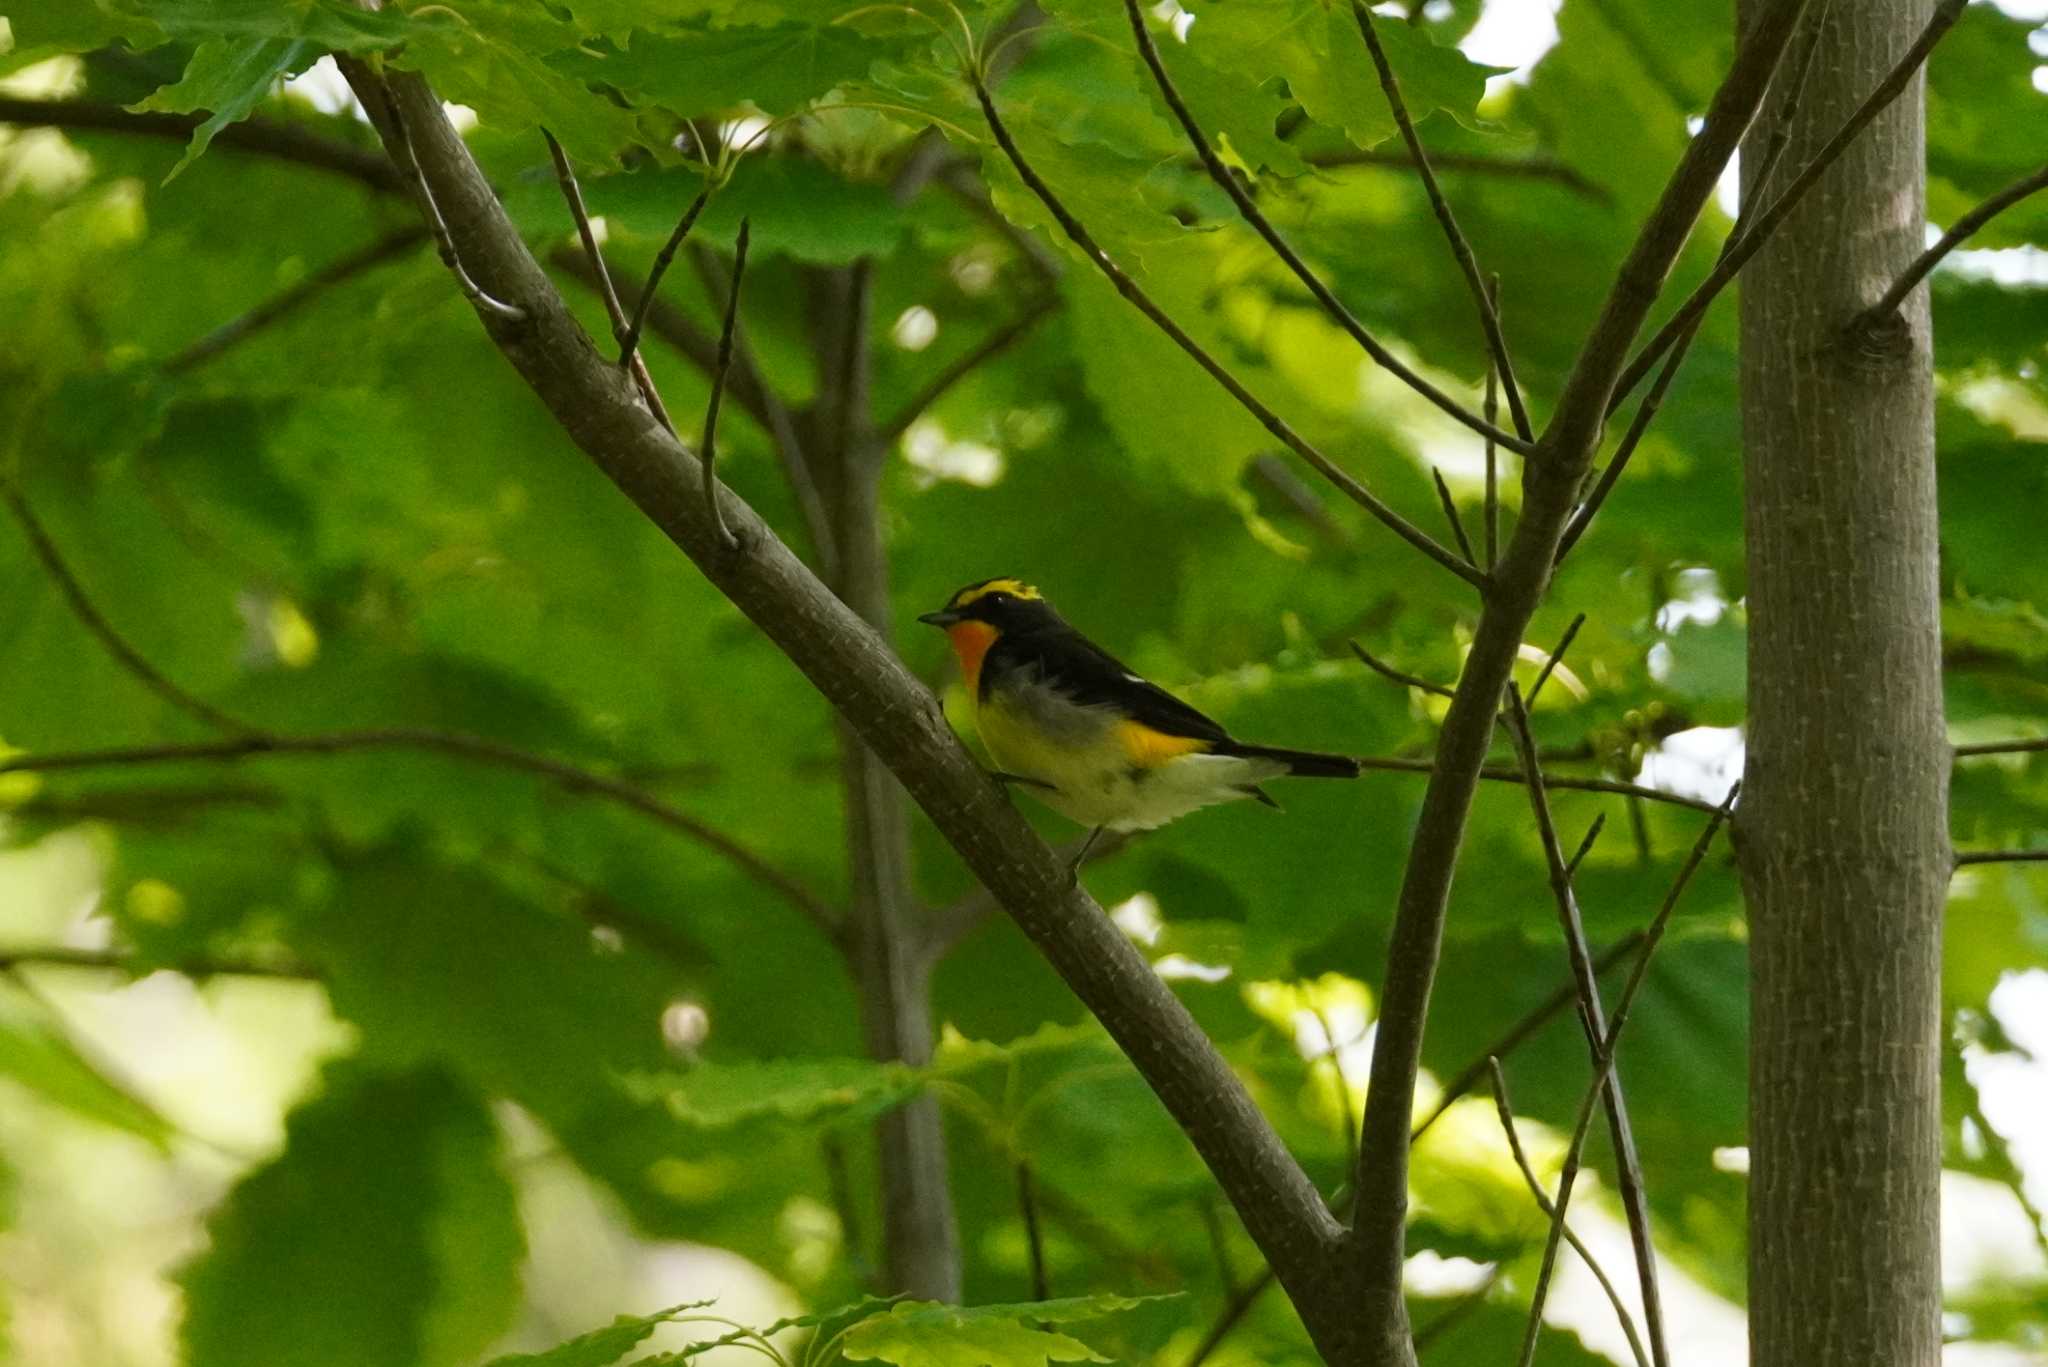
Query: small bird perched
{"type": "Point", "coordinates": [1090, 738]}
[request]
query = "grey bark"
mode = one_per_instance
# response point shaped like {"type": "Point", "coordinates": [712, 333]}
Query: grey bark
{"type": "Point", "coordinates": [1842, 831]}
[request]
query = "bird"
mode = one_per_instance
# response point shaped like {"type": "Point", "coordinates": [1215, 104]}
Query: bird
{"type": "Point", "coordinates": [1087, 735]}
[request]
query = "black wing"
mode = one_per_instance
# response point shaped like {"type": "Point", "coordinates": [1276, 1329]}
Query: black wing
{"type": "Point", "coordinates": [1087, 673]}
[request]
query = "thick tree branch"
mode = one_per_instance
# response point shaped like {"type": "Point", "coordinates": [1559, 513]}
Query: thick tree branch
{"type": "Point", "coordinates": [1271, 421]}
{"type": "Point", "coordinates": [1260, 224]}
{"type": "Point", "coordinates": [1489, 320]}
{"type": "Point", "coordinates": [1957, 234]}
{"type": "Point", "coordinates": [1749, 243]}
{"type": "Point", "coordinates": [900, 721]}
{"type": "Point", "coordinates": [1506, 1111]}
{"type": "Point", "coordinates": [1550, 483]}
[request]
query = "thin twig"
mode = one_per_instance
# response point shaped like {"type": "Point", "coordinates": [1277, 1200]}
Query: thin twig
{"type": "Point", "coordinates": [1267, 418]}
{"type": "Point", "coordinates": [1518, 168]}
{"type": "Point", "coordinates": [571, 777]}
{"type": "Point", "coordinates": [1333, 1055]}
{"type": "Point", "coordinates": [1564, 643]}
{"type": "Point", "coordinates": [949, 925]}
{"type": "Point", "coordinates": [1895, 82]}
{"type": "Point", "coordinates": [707, 451]}
{"type": "Point", "coordinates": [1490, 411]}
{"type": "Point", "coordinates": [1512, 1038]}
{"type": "Point", "coordinates": [1234, 1309]}
{"type": "Point", "coordinates": [565, 176]}
{"type": "Point", "coordinates": [95, 621]}
{"type": "Point", "coordinates": [122, 961]}
{"type": "Point", "coordinates": [987, 349]}
{"type": "Point", "coordinates": [1399, 676]}
{"type": "Point", "coordinates": [2032, 745]}
{"type": "Point", "coordinates": [1027, 1205]}
{"type": "Point", "coordinates": [1628, 1165]}
{"type": "Point", "coordinates": [1252, 214]}
{"type": "Point", "coordinates": [1506, 1111]}
{"type": "Point", "coordinates": [630, 343]}
{"type": "Point", "coordinates": [1968, 224]}
{"type": "Point", "coordinates": [1603, 1067]}
{"type": "Point", "coordinates": [1489, 321]}
{"type": "Point", "coordinates": [1467, 1304]}
{"type": "Point", "coordinates": [1968, 857]}
{"type": "Point", "coordinates": [1498, 773]}
{"type": "Point", "coordinates": [840, 1183]}
{"type": "Point", "coordinates": [1450, 507]}
{"type": "Point", "coordinates": [386, 248]}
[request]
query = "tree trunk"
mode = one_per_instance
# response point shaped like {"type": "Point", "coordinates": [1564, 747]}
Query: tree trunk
{"type": "Point", "coordinates": [1842, 830]}
{"type": "Point", "coordinates": [920, 1243]}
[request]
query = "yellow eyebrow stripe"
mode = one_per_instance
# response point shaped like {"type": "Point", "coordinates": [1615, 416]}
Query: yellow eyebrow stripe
{"type": "Point", "coordinates": [1147, 748]}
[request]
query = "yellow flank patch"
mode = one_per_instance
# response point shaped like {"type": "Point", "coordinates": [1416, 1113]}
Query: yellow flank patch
{"type": "Point", "coordinates": [1016, 588]}
{"type": "Point", "coordinates": [1148, 748]}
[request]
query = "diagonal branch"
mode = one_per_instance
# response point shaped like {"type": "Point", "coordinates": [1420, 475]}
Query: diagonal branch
{"type": "Point", "coordinates": [1749, 243]}
{"type": "Point", "coordinates": [1478, 164]}
{"type": "Point", "coordinates": [1591, 1015]}
{"type": "Point", "coordinates": [1968, 224]}
{"type": "Point", "coordinates": [1489, 318]}
{"type": "Point", "coordinates": [1506, 1111]}
{"type": "Point", "coordinates": [1270, 420]}
{"type": "Point", "coordinates": [897, 718]}
{"type": "Point", "coordinates": [630, 342]}
{"type": "Point", "coordinates": [707, 449]}
{"type": "Point", "coordinates": [1260, 224]}
{"type": "Point", "coordinates": [969, 361]}
{"type": "Point", "coordinates": [1603, 1066]}
{"type": "Point", "coordinates": [342, 269]}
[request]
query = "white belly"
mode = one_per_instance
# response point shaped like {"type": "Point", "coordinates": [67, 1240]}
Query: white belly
{"type": "Point", "coordinates": [1089, 776]}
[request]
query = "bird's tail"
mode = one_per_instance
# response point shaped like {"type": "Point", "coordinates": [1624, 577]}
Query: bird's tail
{"type": "Point", "coordinates": [1300, 763]}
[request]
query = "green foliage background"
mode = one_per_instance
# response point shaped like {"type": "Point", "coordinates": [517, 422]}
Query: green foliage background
{"type": "Point", "coordinates": [359, 518]}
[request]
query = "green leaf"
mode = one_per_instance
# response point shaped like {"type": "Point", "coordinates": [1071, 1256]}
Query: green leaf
{"type": "Point", "coordinates": [228, 78]}
{"type": "Point", "coordinates": [927, 1334]}
{"type": "Point", "coordinates": [600, 1347]}
{"type": "Point", "coordinates": [384, 1234]}
{"type": "Point", "coordinates": [42, 1060]}
{"type": "Point", "coordinates": [779, 69]}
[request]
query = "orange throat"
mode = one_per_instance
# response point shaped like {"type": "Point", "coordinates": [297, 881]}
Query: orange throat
{"type": "Point", "coordinates": [971, 641]}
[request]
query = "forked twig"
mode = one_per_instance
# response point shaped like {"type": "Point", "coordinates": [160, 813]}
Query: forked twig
{"type": "Point", "coordinates": [1489, 318]}
{"type": "Point", "coordinates": [707, 452]}
{"type": "Point", "coordinates": [1260, 224]}
{"type": "Point", "coordinates": [1506, 1111]}
{"type": "Point", "coordinates": [1901, 75]}
{"type": "Point", "coordinates": [1143, 302]}
{"type": "Point", "coordinates": [1603, 1067]}
{"type": "Point", "coordinates": [565, 176]}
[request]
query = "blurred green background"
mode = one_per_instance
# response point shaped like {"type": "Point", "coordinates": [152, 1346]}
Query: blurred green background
{"type": "Point", "coordinates": [391, 1057]}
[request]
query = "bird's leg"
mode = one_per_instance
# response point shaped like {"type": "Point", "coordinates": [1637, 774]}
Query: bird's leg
{"type": "Point", "coordinates": [1006, 779]}
{"type": "Point", "coordinates": [1081, 855]}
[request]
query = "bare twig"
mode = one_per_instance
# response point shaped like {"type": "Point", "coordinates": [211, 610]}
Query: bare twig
{"type": "Point", "coordinates": [572, 194]}
{"type": "Point", "coordinates": [1235, 1308]}
{"type": "Point", "coordinates": [1267, 418]}
{"type": "Point", "coordinates": [1498, 773]}
{"type": "Point", "coordinates": [1506, 1111]}
{"type": "Point", "coordinates": [1252, 214]}
{"type": "Point", "coordinates": [1627, 1163]}
{"type": "Point", "coordinates": [571, 777]}
{"type": "Point", "coordinates": [1466, 1305]}
{"type": "Point", "coordinates": [630, 342]}
{"type": "Point", "coordinates": [982, 352]}
{"type": "Point", "coordinates": [1511, 1039]}
{"type": "Point", "coordinates": [951, 924]}
{"type": "Point", "coordinates": [1478, 164]}
{"type": "Point", "coordinates": [707, 450]}
{"type": "Point", "coordinates": [1489, 320]}
{"type": "Point", "coordinates": [1564, 643]}
{"type": "Point", "coordinates": [1027, 1206]}
{"type": "Point", "coordinates": [1968, 857]}
{"type": "Point", "coordinates": [1399, 676]}
{"type": "Point", "coordinates": [96, 622]}
{"type": "Point", "coordinates": [2032, 745]}
{"type": "Point", "coordinates": [1961, 230]}
{"type": "Point", "coordinates": [1603, 1067]}
{"type": "Point", "coordinates": [386, 248]}
{"type": "Point", "coordinates": [1450, 507]}
{"type": "Point", "coordinates": [1750, 242]}
{"type": "Point", "coordinates": [122, 961]}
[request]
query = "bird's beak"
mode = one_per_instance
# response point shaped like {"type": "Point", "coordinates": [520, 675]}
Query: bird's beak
{"type": "Point", "coordinates": [941, 619]}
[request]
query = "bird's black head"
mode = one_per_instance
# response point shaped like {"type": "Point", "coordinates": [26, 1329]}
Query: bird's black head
{"type": "Point", "coordinates": [1008, 605]}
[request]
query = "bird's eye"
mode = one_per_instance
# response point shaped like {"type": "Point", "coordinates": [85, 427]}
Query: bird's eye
{"type": "Point", "coordinates": [999, 597]}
